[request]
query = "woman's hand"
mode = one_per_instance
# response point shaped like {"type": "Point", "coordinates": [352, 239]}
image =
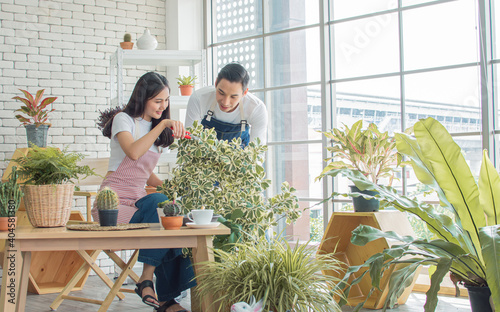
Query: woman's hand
{"type": "Point", "coordinates": [177, 128]}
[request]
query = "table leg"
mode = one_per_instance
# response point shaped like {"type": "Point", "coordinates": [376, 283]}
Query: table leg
{"type": "Point", "coordinates": [201, 253]}
{"type": "Point", "coordinates": [12, 277]}
{"type": "Point", "coordinates": [23, 285]}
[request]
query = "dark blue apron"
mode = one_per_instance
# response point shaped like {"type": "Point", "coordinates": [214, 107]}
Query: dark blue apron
{"type": "Point", "coordinates": [227, 131]}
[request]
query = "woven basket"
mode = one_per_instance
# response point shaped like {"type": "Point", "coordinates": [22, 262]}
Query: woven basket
{"type": "Point", "coordinates": [48, 205]}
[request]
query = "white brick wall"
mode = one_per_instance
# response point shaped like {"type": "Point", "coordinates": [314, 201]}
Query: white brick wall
{"type": "Point", "coordinates": [64, 47]}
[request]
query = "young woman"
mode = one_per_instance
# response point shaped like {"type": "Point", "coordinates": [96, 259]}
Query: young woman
{"type": "Point", "coordinates": [137, 135]}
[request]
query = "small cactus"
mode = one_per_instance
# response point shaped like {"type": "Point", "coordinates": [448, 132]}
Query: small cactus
{"type": "Point", "coordinates": [127, 38]}
{"type": "Point", "coordinates": [170, 208]}
{"type": "Point", "coordinates": [106, 199]}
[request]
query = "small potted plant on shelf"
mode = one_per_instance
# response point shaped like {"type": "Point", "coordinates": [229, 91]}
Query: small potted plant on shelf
{"type": "Point", "coordinates": [369, 151]}
{"type": "Point", "coordinates": [106, 202]}
{"type": "Point", "coordinates": [172, 219]}
{"type": "Point", "coordinates": [186, 84]}
{"type": "Point", "coordinates": [467, 235]}
{"type": "Point", "coordinates": [10, 198]}
{"type": "Point", "coordinates": [36, 121]}
{"type": "Point", "coordinates": [127, 43]}
{"type": "Point", "coordinates": [48, 189]}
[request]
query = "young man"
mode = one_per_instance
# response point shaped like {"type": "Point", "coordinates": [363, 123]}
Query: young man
{"type": "Point", "coordinates": [229, 108]}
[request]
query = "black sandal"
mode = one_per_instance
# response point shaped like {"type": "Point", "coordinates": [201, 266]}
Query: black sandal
{"type": "Point", "coordinates": [167, 305]}
{"type": "Point", "coordinates": [140, 287]}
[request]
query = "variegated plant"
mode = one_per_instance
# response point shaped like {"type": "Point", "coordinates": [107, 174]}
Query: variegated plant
{"type": "Point", "coordinates": [466, 244]}
{"type": "Point", "coordinates": [371, 152]}
{"type": "Point", "coordinates": [222, 176]}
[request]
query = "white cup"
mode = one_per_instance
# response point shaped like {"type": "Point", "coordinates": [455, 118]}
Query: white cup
{"type": "Point", "coordinates": [200, 217]}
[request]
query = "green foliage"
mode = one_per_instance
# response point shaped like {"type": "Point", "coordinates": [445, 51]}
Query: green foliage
{"type": "Point", "coordinates": [51, 166]}
{"type": "Point", "coordinates": [34, 108]}
{"type": "Point", "coordinates": [186, 80]}
{"type": "Point", "coordinates": [222, 176]}
{"type": "Point", "coordinates": [170, 208]}
{"type": "Point", "coordinates": [107, 199]}
{"type": "Point", "coordinates": [127, 38]}
{"type": "Point", "coordinates": [459, 246]}
{"type": "Point", "coordinates": [10, 195]}
{"type": "Point", "coordinates": [317, 230]}
{"type": "Point", "coordinates": [369, 151]}
{"type": "Point", "coordinates": [288, 278]}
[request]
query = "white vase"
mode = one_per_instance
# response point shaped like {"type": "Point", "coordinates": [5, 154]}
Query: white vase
{"type": "Point", "coordinates": [146, 41]}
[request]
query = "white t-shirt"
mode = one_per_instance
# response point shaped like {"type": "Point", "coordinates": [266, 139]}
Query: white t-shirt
{"type": "Point", "coordinates": [123, 122]}
{"type": "Point", "coordinates": [254, 112]}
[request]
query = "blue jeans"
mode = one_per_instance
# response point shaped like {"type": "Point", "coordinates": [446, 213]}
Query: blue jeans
{"type": "Point", "coordinates": [174, 272]}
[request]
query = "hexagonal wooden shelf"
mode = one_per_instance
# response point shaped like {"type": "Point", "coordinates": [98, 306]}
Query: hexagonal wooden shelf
{"type": "Point", "coordinates": [337, 240]}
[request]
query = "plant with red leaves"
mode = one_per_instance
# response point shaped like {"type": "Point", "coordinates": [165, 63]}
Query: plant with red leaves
{"type": "Point", "coordinates": [34, 107]}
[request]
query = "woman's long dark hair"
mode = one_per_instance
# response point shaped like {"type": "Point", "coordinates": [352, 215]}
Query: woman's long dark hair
{"type": "Point", "coordinates": [146, 88]}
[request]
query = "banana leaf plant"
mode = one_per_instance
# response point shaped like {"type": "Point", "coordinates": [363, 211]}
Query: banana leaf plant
{"type": "Point", "coordinates": [467, 242]}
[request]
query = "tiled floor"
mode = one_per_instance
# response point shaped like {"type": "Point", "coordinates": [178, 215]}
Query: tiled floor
{"type": "Point", "coordinates": [94, 288]}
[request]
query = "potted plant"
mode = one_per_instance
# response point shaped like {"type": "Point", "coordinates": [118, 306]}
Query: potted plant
{"type": "Point", "coordinates": [186, 84]}
{"type": "Point", "coordinates": [48, 189]}
{"type": "Point", "coordinates": [127, 43]}
{"type": "Point", "coordinates": [106, 202]}
{"type": "Point", "coordinates": [10, 198]}
{"type": "Point", "coordinates": [285, 278]}
{"type": "Point", "coordinates": [369, 151]}
{"type": "Point", "coordinates": [467, 237]}
{"type": "Point", "coordinates": [233, 185]}
{"type": "Point", "coordinates": [36, 121]}
{"type": "Point", "coordinates": [172, 219]}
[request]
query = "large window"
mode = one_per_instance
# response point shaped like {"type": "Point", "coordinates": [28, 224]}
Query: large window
{"type": "Point", "coordinates": [319, 64]}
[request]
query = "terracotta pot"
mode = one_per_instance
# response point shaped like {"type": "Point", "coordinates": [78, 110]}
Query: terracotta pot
{"type": "Point", "coordinates": [126, 45]}
{"type": "Point", "coordinates": [186, 89]}
{"type": "Point", "coordinates": [8, 223]}
{"type": "Point", "coordinates": [172, 223]}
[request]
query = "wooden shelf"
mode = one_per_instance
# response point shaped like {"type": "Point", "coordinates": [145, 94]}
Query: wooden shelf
{"type": "Point", "coordinates": [158, 57]}
{"type": "Point", "coordinates": [337, 241]}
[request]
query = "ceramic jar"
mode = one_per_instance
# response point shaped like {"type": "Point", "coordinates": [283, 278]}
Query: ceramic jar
{"type": "Point", "coordinates": [146, 41]}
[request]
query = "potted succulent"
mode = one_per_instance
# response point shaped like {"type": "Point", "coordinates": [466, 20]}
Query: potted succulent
{"type": "Point", "coordinates": [10, 198]}
{"type": "Point", "coordinates": [106, 202]}
{"type": "Point", "coordinates": [369, 151]}
{"type": "Point", "coordinates": [186, 84]}
{"type": "Point", "coordinates": [36, 121]}
{"type": "Point", "coordinates": [233, 185]}
{"type": "Point", "coordinates": [172, 219]}
{"type": "Point", "coordinates": [285, 278]}
{"type": "Point", "coordinates": [127, 43]}
{"type": "Point", "coordinates": [467, 237]}
{"type": "Point", "coordinates": [48, 189]}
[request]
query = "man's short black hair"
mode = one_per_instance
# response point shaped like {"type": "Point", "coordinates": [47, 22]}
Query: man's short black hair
{"type": "Point", "coordinates": [234, 72]}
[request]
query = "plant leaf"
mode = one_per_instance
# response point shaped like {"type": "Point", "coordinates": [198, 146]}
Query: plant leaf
{"type": "Point", "coordinates": [489, 190]}
{"type": "Point", "coordinates": [490, 246]}
{"type": "Point", "coordinates": [442, 269]}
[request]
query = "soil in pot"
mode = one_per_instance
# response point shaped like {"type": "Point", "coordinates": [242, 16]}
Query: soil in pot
{"type": "Point", "coordinates": [479, 298]}
{"type": "Point", "coordinates": [108, 217]}
{"type": "Point", "coordinates": [172, 223]}
{"type": "Point", "coordinates": [364, 205]}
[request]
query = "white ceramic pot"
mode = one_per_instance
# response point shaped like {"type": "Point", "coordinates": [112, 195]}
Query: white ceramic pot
{"type": "Point", "coordinates": [146, 41]}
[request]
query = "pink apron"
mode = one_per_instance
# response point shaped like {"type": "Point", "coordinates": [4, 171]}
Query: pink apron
{"type": "Point", "coordinates": [128, 181]}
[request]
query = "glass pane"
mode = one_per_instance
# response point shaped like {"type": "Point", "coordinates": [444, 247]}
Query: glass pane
{"type": "Point", "coordinates": [290, 65]}
{"type": "Point", "coordinates": [236, 19]}
{"type": "Point", "coordinates": [406, 3]}
{"type": "Point", "coordinates": [365, 47]}
{"type": "Point", "coordinates": [348, 8]}
{"type": "Point", "coordinates": [295, 114]}
{"type": "Point", "coordinates": [373, 100]}
{"type": "Point", "coordinates": [249, 54]}
{"type": "Point", "coordinates": [495, 12]}
{"type": "Point", "coordinates": [496, 94]}
{"type": "Point", "coordinates": [285, 14]}
{"type": "Point", "coordinates": [450, 96]}
{"type": "Point", "coordinates": [299, 164]}
{"type": "Point", "coordinates": [315, 221]}
{"type": "Point", "coordinates": [444, 38]}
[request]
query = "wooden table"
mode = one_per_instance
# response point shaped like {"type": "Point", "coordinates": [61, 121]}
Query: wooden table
{"type": "Point", "coordinates": [26, 239]}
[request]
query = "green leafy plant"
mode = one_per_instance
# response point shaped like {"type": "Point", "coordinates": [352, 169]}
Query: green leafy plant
{"type": "Point", "coordinates": [50, 165]}
{"type": "Point", "coordinates": [107, 199]}
{"type": "Point", "coordinates": [369, 151]}
{"type": "Point", "coordinates": [467, 243]}
{"type": "Point", "coordinates": [287, 278]}
{"type": "Point", "coordinates": [222, 176]}
{"type": "Point", "coordinates": [186, 80]}
{"type": "Point", "coordinates": [170, 208]}
{"type": "Point", "coordinates": [10, 195]}
{"type": "Point", "coordinates": [127, 37]}
{"type": "Point", "coordinates": [34, 108]}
